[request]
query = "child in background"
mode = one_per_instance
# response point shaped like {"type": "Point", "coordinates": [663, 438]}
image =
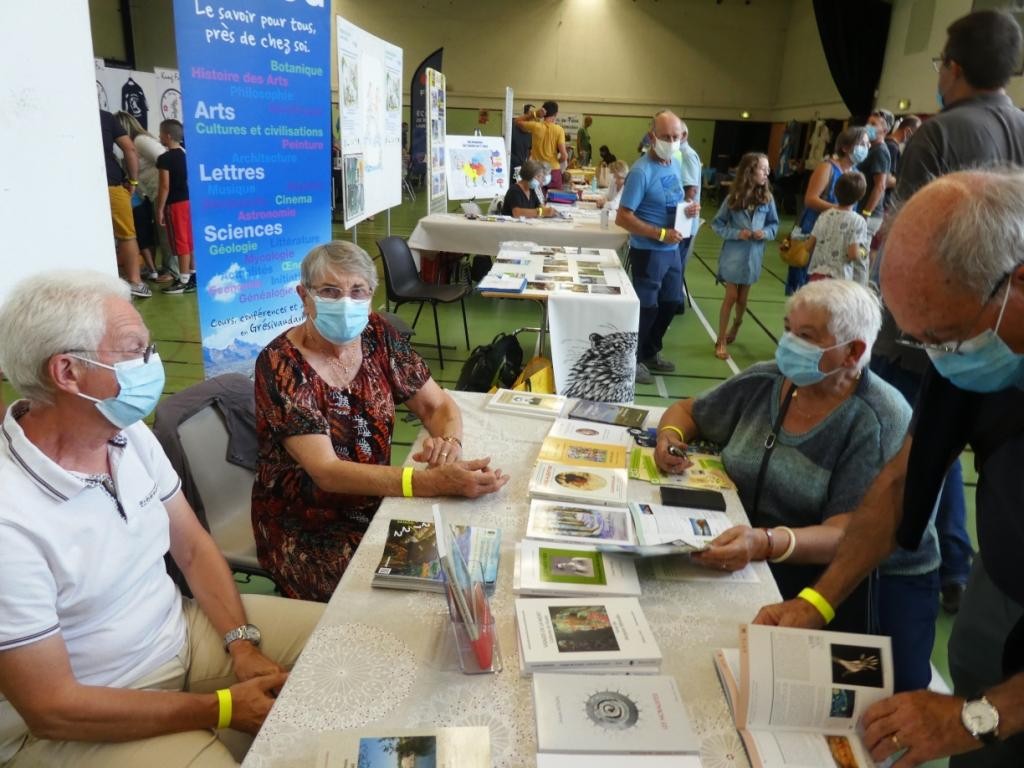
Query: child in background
{"type": "Point", "coordinates": [172, 205]}
{"type": "Point", "coordinates": [746, 221]}
{"type": "Point", "coordinates": [839, 241]}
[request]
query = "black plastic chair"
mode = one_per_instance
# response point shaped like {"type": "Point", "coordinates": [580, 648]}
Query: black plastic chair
{"type": "Point", "coordinates": [404, 286]}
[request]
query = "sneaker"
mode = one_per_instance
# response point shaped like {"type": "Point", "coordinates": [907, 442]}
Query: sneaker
{"type": "Point", "coordinates": [140, 290]}
{"type": "Point", "coordinates": [950, 597]}
{"type": "Point", "coordinates": [643, 376]}
{"type": "Point", "coordinates": [659, 363]}
{"type": "Point", "coordinates": [152, 275]}
{"type": "Point", "coordinates": [190, 286]}
{"type": "Point", "coordinates": [175, 288]}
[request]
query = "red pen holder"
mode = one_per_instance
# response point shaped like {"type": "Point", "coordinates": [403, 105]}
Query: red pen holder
{"type": "Point", "coordinates": [473, 628]}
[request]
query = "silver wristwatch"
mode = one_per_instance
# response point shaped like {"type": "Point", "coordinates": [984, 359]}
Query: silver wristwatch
{"type": "Point", "coordinates": [248, 632]}
{"type": "Point", "coordinates": [981, 720]}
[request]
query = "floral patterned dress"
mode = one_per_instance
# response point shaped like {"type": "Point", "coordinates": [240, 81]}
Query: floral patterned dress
{"type": "Point", "coordinates": [306, 536]}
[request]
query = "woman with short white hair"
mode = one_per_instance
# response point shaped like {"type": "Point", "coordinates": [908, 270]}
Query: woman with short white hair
{"type": "Point", "coordinates": [803, 438]}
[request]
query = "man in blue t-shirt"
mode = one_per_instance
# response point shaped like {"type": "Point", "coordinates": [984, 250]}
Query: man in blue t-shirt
{"type": "Point", "coordinates": [647, 210]}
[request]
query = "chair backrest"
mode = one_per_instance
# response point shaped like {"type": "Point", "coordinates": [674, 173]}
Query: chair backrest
{"type": "Point", "coordinates": [400, 276]}
{"type": "Point", "coordinates": [224, 487]}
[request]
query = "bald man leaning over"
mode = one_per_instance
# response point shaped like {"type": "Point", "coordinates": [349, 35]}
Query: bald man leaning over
{"type": "Point", "coordinates": [953, 278]}
{"type": "Point", "coordinates": [647, 210]}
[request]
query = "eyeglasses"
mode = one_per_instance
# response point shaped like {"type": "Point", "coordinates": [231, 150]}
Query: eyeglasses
{"type": "Point", "coordinates": [953, 347]}
{"type": "Point", "coordinates": [145, 354]}
{"type": "Point", "coordinates": [937, 62]}
{"type": "Point", "coordinates": [334, 293]}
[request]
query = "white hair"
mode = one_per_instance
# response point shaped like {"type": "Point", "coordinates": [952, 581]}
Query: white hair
{"type": "Point", "coordinates": [49, 314]}
{"type": "Point", "coordinates": [854, 312]}
{"type": "Point", "coordinates": [984, 239]}
{"type": "Point", "coordinates": [340, 255]}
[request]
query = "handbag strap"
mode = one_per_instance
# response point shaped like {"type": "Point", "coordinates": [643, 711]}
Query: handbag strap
{"type": "Point", "coordinates": [769, 446]}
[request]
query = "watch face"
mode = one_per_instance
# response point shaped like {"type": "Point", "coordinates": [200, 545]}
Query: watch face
{"type": "Point", "coordinates": [980, 717]}
{"type": "Point", "coordinates": [252, 633]}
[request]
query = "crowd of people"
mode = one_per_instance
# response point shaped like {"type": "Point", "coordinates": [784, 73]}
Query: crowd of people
{"type": "Point", "coordinates": [903, 344]}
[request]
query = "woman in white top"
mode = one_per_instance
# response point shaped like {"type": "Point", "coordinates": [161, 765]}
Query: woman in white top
{"type": "Point", "coordinates": [148, 148]}
{"type": "Point", "coordinates": [617, 172]}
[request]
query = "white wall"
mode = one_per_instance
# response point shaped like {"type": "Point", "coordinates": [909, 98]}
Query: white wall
{"type": "Point", "coordinates": [54, 211]}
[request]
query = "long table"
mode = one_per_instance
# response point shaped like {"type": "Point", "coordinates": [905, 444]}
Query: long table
{"type": "Point", "coordinates": [454, 232]}
{"type": "Point", "coordinates": [384, 657]}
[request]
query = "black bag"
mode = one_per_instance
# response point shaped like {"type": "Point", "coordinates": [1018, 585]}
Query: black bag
{"type": "Point", "coordinates": [492, 365]}
{"type": "Point", "coordinates": [479, 268]}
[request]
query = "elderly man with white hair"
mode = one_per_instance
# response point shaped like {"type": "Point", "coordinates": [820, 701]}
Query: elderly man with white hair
{"type": "Point", "coordinates": [953, 278]}
{"type": "Point", "coordinates": [102, 662]}
{"type": "Point", "coordinates": [803, 438]}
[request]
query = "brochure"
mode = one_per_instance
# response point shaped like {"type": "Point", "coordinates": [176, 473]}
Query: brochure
{"type": "Point", "coordinates": [797, 695]}
{"type": "Point", "coordinates": [707, 473]}
{"type": "Point", "coordinates": [533, 404]}
{"type": "Point", "coordinates": [611, 714]}
{"type": "Point", "coordinates": [583, 454]}
{"type": "Point", "coordinates": [464, 747]}
{"type": "Point", "coordinates": [566, 569]}
{"type": "Point", "coordinates": [502, 283]}
{"type": "Point", "coordinates": [591, 432]}
{"type": "Point", "coordinates": [587, 484]}
{"type": "Point", "coordinates": [608, 413]}
{"type": "Point", "coordinates": [579, 523]}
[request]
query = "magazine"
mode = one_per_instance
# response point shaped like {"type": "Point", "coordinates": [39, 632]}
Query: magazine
{"type": "Point", "coordinates": [383, 747]}
{"type": "Point", "coordinates": [502, 283]}
{"type": "Point", "coordinates": [608, 413]}
{"type": "Point", "coordinates": [567, 569]}
{"type": "Point", "coordinates": [579, 523]}
{"type": "Point", "coordinates": [708, 471]}
{"type": "Point", "coordinates": [589, 484]}
{"type": "Point", "coordinates": [534, 404]}
{"type": "Point", "coordinates": [595, 632]}
{"type": "Point", "coordinates": [797, 695]}
{"type": "Point", "coordinates": [409, 560]}
{"type": "Point", "coordinates": [611, 714]}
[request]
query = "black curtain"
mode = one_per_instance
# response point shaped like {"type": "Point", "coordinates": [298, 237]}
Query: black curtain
{"type": "Point", "coordinates": [854, 35]}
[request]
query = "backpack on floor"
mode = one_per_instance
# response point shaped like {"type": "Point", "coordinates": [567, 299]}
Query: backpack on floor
{"type": "Point", "coordinates": [492, 365]}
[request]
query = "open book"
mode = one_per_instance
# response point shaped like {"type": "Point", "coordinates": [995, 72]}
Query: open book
{"type": "Point", "coordinates": [797, 695]}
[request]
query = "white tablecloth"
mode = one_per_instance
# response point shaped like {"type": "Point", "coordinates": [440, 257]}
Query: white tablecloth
{"type": "Point", "coordinates": [454, 232]}
{"type": "Point", "coordinates": [382, 657]}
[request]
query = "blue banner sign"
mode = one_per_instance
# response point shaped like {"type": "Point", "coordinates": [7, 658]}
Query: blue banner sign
{"type": "Point", "coordinates": [255, 83]}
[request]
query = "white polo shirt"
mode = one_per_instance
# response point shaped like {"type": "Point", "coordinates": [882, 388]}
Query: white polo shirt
{"type": "Point", "coordinates": [79, 561]}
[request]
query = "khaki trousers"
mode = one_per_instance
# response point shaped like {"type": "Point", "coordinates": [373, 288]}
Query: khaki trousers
{"type": "Point", "coordinates": [202, 667]}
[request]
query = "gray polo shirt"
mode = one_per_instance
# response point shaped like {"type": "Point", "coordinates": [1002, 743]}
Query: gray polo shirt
{"type": "Point", "coordinates": [982, 131]}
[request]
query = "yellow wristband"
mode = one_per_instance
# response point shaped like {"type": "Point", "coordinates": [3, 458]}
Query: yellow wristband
{"type": "Point", "coordinates": [224, 704]}
{"type": "Point", "coordinates": [677, 430]}
{"type": "Point", "coordinates": [661, 237]}
{"type": "Point", "coordinates": [407, 482]}
{"type": "Point", "coordinates": [814, 598]}
{"type": "Point", "coordinates": [540, 211]}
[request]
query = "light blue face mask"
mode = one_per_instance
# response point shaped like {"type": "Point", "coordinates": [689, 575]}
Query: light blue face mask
{"type": "Point", "coordinates": [799, 360]}
{"type": "Point", "coordinates": [872, 132]}
{"type": "Point", "coordinates": [859, 153]}
{"type": "Point", "coordinates": [984, 363]}
{"type": "Point", "coordinates": [940, 99]}
{"type": "Point", "coordinates": [535, 184]}
{"type": "Point", "coordinates": [341, 321]}
{"type": "Point", "coordinates": [141, 384]}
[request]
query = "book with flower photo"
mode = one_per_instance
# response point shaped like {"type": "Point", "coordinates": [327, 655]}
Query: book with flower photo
{"type": "Point", "coordinates": [587, 484]}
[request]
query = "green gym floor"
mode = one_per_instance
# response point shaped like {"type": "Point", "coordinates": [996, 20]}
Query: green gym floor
{"type": "Point", "coordinates": [173, 323]}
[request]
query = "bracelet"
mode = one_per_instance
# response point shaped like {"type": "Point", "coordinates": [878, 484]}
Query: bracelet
{"type": "Point", "coordinates": [407, 482]}
{"type": "Point", "coordinates": [540, 211]}
{"type": "Point", "coordinates": [789, 550]}
{"type": "Point", "coordinates": [133, 182]}
{"type": "Point", "coordinates": [820, 603]}
{"type": "Point", "coordinates": [661, 237]}
{"type": "Point", "coordinates": [223, 708]}
{"type": "Point", "coordinates": [677, 430]}
{"type": "Point", "coordinates": [452, 439]}
{"type": "Point", "coordinates": [867, 214]}
{"type": "Point", "coordinates": [771, 542]}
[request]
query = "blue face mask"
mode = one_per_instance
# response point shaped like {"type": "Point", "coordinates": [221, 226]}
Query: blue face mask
{"type": "Point", "coordinates": [940, 99]}
{"type": "Point", "coordinates": [872, 132]}
{"type": "Point", "coordinates": [799, 360]}
{"type": "Point", "coordinates": [341, 321]}
{"type": "Point", "coordinates": [141, 385]}
{"type": "Point", "coordinates": [534, 184]}
{"type": "Point", "coordinates": [982, 364]}
{"type": "Point", "coordinates": [859, 153]}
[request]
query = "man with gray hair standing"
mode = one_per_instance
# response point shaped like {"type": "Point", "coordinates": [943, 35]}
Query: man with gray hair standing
{"type": "Point", "coordinates": [102, 662]}
{"type": "Point", "coordinates": [953, 278]}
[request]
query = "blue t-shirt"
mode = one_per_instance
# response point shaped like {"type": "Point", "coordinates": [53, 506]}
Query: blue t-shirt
{"type": "Point", "coordinates": [652, 192]}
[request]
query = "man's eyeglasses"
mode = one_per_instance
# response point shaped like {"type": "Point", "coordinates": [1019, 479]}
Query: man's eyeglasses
{"type": "Point", "coordinates": [937, 62]}
{"type": "Point", "coordinates": [130, 354]}
{"type": "Point", "coordinates": [333, 293]}
{"type": "Point", "coordinates": [953, 347]}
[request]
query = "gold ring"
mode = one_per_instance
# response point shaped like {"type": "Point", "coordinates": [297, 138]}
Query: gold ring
{"type": "Point", "coordinates": [896, 741]}
{"type": "Point", "coordinates": [444, 455]}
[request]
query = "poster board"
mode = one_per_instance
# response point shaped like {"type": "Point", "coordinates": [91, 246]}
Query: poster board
{"type": "Point", "coordinates": [437, 131]}
{"type": "Point", "coordinates": [506, 121]}
{"type": "Point", "coordinates": [258, 174]}
{"type": "Point", "coordinates": [477, 167]}
{"type": "Point", "coordinates": [168, 94]}
{"type": "Point", "coordinates": [370, 101]}
{"type": "Point", "coordinates": [571, 123]}
{"type": "Point", "coordinates": [129, 90]}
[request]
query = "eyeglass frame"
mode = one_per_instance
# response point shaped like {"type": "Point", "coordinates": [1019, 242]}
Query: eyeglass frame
{"type": "Point", "coordinates": [147, 353]}
{"type": "Point", "coordinates": [316, 292]}
{"type": "Point", "coordinates": [953, 348]}
{"type": "Point", "coordinates": [939, 61]}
